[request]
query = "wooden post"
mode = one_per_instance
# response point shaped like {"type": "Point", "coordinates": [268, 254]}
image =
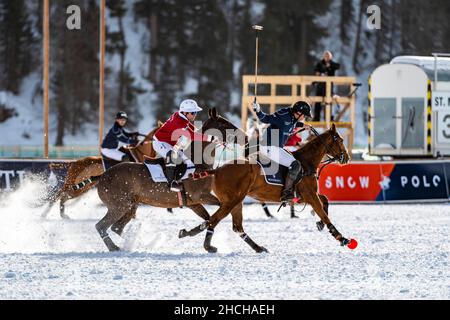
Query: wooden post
{"type": "Point", "coordinates": [273, 92]}
{"type": "Point", "coordinates": [46, 82]}
{"type": "Point", "coordinates": [101, 116]}
{"type": "Point", "coordinates": [328, 102]}
{"type": "Point", "coordinates": [244, 113]}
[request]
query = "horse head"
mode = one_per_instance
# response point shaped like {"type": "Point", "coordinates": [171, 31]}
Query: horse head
{"type": "Point", "coordinates": [335, 146]}
{"type": "Point", "coordinates": [225, 131]}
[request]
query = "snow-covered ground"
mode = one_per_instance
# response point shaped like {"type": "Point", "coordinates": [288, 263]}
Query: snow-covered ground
{"type": "Point", "coordinates": [403, 253]}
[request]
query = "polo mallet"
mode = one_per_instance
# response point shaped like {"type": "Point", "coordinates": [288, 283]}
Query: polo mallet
{"type": "Point", "coordinates": [256, 28]}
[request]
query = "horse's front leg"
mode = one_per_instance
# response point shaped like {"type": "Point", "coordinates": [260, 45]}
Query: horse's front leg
{"type": "Point", "coordinates": [236, 214]}
{"type": "Point", "coordinates": [314, 200]}
{"type": "Point", "coordinates": [325, 203]}
{"type": "Point", "coordinates": [221, 213]}
{"type": "Point", "coordinates": [202, 213]}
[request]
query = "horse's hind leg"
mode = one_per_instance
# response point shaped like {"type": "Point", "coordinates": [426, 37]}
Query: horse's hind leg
{"type": "Point", "coordinates": [52, 201]}
{"type": "Point", "coordinates": [119, 225]}
{"type": "Point", "coordinates": [202, 213]}
{"type": "Point", "coordinates": [103, 225]}
{"type": "Point", "coordinates": [266, 210]}
{"type": "Point", "coordinates": [236, 214]}
{"type": "Point", "coordinates": [62, 207]}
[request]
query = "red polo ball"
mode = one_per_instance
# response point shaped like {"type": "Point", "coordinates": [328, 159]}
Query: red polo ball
{"type": "Point", "coordinates": [352, 244]}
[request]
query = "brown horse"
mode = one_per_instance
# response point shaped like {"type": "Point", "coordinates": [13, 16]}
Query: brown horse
{"type": "Point", "coordinates": [233, 182]}
{"type": "Point", "coordinates": [80, 170]}
{"type": "Point", "coordinates": [123, 187]}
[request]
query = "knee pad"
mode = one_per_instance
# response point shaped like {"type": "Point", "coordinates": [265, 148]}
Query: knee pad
{"type": "Point", "coordinates": [294, 169]}
{"type": "Point", "coordinates": [295, 166]}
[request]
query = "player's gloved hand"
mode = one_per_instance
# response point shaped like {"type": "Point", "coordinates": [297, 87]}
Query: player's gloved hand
{"type": "Point", "coordinates": [256, 107]}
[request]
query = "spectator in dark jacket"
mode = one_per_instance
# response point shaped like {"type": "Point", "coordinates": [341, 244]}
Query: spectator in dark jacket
{"type": "Point", "coordinates": [324, 68]}
{"type": "Point", "coordinates": [117, 133]}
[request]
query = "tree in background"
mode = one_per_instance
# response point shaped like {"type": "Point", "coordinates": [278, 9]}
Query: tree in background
{"type": "Point", "coordinates": [16, 44]}
{"type": "Point", "coordinates": [291, 35]}
{"type": "Point", "coordinates": [201, 48]}
{"type": "Point", "coordinates": [75, 68]}
{"type": "Point", "coordinates": [125, 92]}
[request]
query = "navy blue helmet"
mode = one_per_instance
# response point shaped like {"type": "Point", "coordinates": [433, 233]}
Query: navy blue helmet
{"type": "Point", "coordinates": [302, 107]}
{"type": "Point", "coordinates": [121, 115]}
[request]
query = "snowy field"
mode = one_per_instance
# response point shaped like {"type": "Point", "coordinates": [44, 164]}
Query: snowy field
{"type": "Point", "coordinates": [403, 253]}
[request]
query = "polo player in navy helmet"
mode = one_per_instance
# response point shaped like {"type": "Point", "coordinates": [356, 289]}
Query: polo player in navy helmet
{"type": "Point", "coordinates": [281, 125]}
{"type": "Point", "coordinates": [110, 145]}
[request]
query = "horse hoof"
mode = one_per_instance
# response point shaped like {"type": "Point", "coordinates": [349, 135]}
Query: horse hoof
{"type": "Point", "coordinates": [211, 249]}
{"type": "Point", "coordinates": [294, 217]}
{"type": "Point", "coordinates": [113, 249]}
{"type": "Point", "coordinates": [344, 242]}
{"type": "Point", "coordinates": [262, 250]}
{"type": "Point", "coordinates": [65, 217]}
{"type": "Point", "coordinates": [182, 234]}
{"type": "Point", "coordinates": [320, 225]}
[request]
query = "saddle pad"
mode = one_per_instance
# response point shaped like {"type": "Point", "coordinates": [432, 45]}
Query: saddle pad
{"type": "Point", "coordinates": [157, 173]}
{"type": "Point", "coordinates": [276, 179]}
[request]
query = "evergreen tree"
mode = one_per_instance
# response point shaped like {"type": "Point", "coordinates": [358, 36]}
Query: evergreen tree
{"type": "Point", "coordinates": [291, 35]}
{"type": "Point", "coordinates": [16, 44]}
{"type": "Point", "coordinates": [75, 68]}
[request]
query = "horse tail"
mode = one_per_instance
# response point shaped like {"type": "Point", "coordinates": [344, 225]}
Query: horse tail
{"type": "Point", "coordinates": [86, 182]}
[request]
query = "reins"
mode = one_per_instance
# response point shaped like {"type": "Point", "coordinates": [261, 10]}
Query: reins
{"type": "Point", "coordinates": [330, 159]}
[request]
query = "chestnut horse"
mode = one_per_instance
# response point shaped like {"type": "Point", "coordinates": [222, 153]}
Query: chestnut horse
{"type": "Point", "coordinates": [123, 187]}
{"type": "Point", "coordinates": [80, 170]}
{"type": "Point", "coordinates": [234, 181]}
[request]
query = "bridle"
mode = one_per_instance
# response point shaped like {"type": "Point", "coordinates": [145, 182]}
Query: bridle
{"type": "Point", "coordinates": [339, 157]}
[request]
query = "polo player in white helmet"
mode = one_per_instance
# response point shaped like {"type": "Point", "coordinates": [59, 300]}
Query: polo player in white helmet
{"type": "Point", "coordinates": [174, 136]}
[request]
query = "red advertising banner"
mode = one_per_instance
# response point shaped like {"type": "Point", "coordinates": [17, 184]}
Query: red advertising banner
{"type": "Point", "coordinates": [354, 182]}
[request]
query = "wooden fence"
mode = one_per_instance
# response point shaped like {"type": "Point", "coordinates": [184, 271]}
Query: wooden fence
{"type": "Point", "coordinates": [303, 88]}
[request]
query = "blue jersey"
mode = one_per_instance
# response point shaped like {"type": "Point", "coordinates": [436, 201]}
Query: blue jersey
{"type": "Point", "coordinates": [283, 120]}
{"type": "Point", "coordinates": [116, 134]}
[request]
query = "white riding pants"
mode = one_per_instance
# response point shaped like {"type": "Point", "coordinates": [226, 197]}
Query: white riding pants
{"type": "Point", "coordinates": [278, 155]}
{"type": "Point", "coordinates": [114, 154]}
{"type": "Point", "coordinates": [162, 148]}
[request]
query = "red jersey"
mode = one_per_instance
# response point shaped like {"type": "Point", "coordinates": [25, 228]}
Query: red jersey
{"type": "Point", "coordinates": [176, 127]}
{"type": "Point", "coordinates": [293, 140]}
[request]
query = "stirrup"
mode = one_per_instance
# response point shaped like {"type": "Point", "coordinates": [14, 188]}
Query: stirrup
{"type": "Point", "coordinates": [175, 186]}
{"type": "Point", "coordinates": [287, 196]}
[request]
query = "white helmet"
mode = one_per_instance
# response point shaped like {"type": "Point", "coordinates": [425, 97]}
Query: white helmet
{"type": "Point", "coordinates": [189, 105]}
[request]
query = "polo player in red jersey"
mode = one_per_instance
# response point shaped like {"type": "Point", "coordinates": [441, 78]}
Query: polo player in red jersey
{"type": "Point", "coordinates": [174, 136]}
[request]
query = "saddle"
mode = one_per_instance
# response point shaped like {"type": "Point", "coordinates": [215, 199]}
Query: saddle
{"type": "Point", "coordinates": [152, 163]}
{"type": "Point", "coordinates": [274, 173]}
{"type": "Point", "coordinates": [157, 170]}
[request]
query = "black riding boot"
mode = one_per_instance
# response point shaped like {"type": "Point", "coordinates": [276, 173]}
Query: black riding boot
{"type": "Point", "coordinates": [287, 195]}
{"type": "Point", "coordinates": [126, 158]}
{"type": "Point", "coordinates": [170, 173]}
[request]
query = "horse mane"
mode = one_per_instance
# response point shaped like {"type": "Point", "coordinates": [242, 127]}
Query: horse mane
{"type": "Point", "coordinates": [311, 144]}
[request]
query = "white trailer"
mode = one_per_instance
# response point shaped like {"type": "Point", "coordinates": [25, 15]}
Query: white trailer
{"type": "Point", "coordinates": [409, 107]}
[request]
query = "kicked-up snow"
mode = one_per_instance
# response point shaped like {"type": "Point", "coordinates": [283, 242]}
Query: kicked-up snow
{"type": "Point", "coordinates": [403, 253]}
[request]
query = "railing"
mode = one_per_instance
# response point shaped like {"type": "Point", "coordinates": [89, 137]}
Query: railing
{"type": "Point", "coordinates": [68, 152]}
{"type": "Point", "coordinates": [299, 87]}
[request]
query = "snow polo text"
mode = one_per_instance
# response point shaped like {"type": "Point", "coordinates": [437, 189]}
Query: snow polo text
{"type": "Point", "coordinates": [226, 309]}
